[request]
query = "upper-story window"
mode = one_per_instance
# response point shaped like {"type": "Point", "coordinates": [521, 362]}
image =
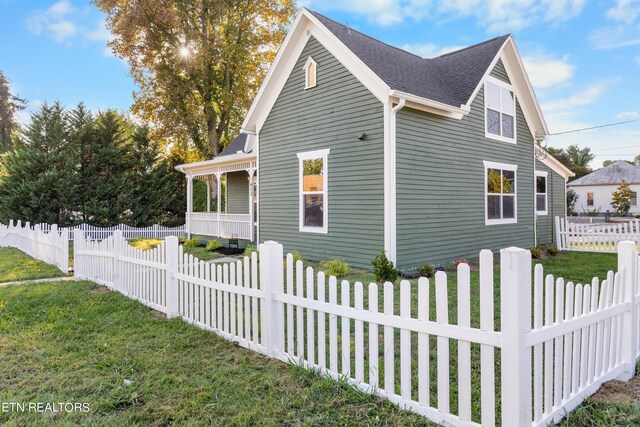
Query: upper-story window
{"type": "Point", "coordinates": [310, 68]}
{"type": "Point", "coordinates": [500, 106]}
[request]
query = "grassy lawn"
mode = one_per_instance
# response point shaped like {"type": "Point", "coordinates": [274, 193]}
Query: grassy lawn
{"type": "Point", "coordinates": [15, 265]}
{"type": "Point", "coordinates": [74, 342]}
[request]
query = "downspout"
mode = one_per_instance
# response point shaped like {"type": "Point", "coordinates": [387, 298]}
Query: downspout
{"type": "Point", "coordinates": [391, 199]}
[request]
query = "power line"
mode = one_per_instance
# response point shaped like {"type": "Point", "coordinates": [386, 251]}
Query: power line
{"type": "Point", "coordinates": [618, 148]}
{"type": "Point", "coordinates": [594, 127]}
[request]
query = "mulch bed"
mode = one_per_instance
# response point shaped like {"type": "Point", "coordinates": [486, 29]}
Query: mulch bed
{"type": "Point", "coordinates": [229, 251]}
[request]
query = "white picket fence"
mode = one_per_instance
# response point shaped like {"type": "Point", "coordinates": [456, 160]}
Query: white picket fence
{"type": "Point", "coordinates": [598, 237]}
{"type": "Point", "coordinates": [128, 232]}
{"type": "Point", "coordinates": [556, 345]}
{"type": "Point", "coordinates": [50, 245]}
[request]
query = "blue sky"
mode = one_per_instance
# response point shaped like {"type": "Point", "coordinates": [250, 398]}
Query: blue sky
{"type": "Point", "coordinates": [582, 57]}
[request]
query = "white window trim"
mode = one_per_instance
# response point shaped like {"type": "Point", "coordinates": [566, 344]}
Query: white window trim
{"type": "Point", "coordinates": [504, 85]}
{"type": "Point", "coordinates": [546, 192]}
{"type": "Point", "coordinates": [502, 166]}
{"type": "Point", "coordinates": [306, 73]}
{"type": "Point", "coordinates": [308, 155]}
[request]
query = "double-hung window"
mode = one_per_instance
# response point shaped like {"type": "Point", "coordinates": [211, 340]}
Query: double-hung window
{"type": "Point", "coordinates": [500, 193]}
{"type": "Point", "coordinates": [500, 106]}
{"type": "Point", "coordinates": [541, 193]}
{"type": "Point", "coordinates": [313, 191]}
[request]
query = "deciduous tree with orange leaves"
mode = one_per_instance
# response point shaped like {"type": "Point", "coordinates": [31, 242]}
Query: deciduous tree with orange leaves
{"type": "Point", "coordinates": [197, 63]}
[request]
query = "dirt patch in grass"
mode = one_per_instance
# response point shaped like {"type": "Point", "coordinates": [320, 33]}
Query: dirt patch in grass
{"type": "Point", "coordinates": [157, 314]}
{"type": "Point", "coordinates": [626, 393]}
{"type": "Point", "coordinates": [97, 289]}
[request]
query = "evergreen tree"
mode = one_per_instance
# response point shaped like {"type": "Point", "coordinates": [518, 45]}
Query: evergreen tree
{"type": "Point", "coordinates": [105, 170]}
{"type": "Point", "coordinates": [621, 199]}
{"type": "Point", "coordinates": [155, 185]}
{"type": "Point", "coordinates": [39, 173]}
{"type": "Point", "coordinates": [82, 134]}
{"type": "Point", "coordinates": [10, 105]}
{"type": "Point", "coordinates": [72, 167]}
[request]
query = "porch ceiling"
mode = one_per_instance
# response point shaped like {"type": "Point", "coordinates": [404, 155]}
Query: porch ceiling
{"type": "Point", "coordinates": [219, 165]}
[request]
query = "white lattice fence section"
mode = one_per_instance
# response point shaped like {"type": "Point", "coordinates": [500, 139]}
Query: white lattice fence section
{"type": "Point", "coordinates": [48, 244]}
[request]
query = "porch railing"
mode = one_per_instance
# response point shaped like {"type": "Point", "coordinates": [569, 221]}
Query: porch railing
{"type": "Point", "coordinates": [221, 225]}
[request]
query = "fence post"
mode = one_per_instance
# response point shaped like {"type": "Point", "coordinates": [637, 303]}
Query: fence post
{"type": "Point", "coordinates": [172, 255]}
{"type": "Point", "coordinates": [628, 260]}
{"type": "Point", "coordinates": [117, 245]}
{"type": "Point", "coordinates": [37, 230]}
{"type": "Point", "coordinates": [272, 282]}
{"type": "Point", "coordinates": [515, 306]}
{"type": "Point", "coordinates": [78, 240]}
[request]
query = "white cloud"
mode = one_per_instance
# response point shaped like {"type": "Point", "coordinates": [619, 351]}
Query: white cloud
{"type": "Point", "coordinates": [63, 23]}
{"type": "Point", "coordinates": [62, 30]}
{"type": "Point", "coordinates": [624, 11]}
{"type": "Point", "coordinates": [429, 50]}
{"type": "Point", "coordinates": [54, 21]}
{"type": "Point", "coordinates": [585, 97]}
{"type": "Point", "coordinates": [615, 37]}
{"type": "Point", "coordinates": [494, 15]}
{"type": "Point", "coordinates": [101, 34]}
{"type": "Point", "coordinates": [547, 71]}
{"type": "Point", "coordinates": [628, 115]}
{"type": "Point", "coordinates": [24, 116]}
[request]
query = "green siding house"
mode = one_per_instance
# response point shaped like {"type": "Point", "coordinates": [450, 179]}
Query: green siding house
{"type": "Point", "coordinates": [352, 147]}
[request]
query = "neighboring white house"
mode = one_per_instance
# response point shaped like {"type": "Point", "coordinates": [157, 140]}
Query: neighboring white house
{"type": "Point", "coordinates": [595, 190]}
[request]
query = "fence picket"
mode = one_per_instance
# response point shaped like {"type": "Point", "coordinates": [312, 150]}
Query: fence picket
{"type": "Point", "coordinates": [373, 336]}
{"type": "Point", "coordinates": [487, 352]}
{"type": "Point", "coordinates": [405, 341]}
{"type": "Point", "coordinates": [346, 330]}
{"type": "Point", "coordinates": [423, 343]}
{"type": "Point", "coordinates": [311, 351]}
{"type": "Point", "coordinates": [389, 342]}
{"type": "Point", "coordinates": [359, 333]}
{"type": "Point", "coordinates": [333, 325]}
{"type": "Point", "coordinates": [442, 317]}
{"type": "Point", "coordinates": [464, 347]}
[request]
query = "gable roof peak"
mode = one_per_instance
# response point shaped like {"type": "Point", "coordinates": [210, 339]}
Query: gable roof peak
{"type": "Point", "coordinates": [496, 38]}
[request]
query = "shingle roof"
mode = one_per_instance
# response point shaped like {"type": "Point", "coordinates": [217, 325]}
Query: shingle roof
{"type": "Point", "coordinates": [611, 174]}
{"type": "Point", "coordinates": [449, 79]}
{"type": "Point", "coordinates": [234, 146]}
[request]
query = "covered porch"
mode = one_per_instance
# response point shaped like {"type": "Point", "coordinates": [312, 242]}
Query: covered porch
{"type": "Point", "coordinates": [231, 206]}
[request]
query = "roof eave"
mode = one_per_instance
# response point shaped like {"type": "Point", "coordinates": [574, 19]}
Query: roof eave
{"type": "Point", "coordinates": [218, 161]}
{"type": "Point", "coordinates": [430, 105]}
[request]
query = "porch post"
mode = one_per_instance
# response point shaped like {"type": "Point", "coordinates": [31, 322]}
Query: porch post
{"type": "Point", "coordinates": [208, 194]}
{"type": "Point", "coordinates": [189, 204]}
{"type": "Point", "coordinates": [218, 177]}
{"type": "Point", "coordinates": [219, 202]}
{"type": "Point", "coordinates": [251, 172]}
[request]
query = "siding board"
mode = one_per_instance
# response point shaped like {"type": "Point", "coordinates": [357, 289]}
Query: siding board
{"type": "Point", "coordinates": [556, 200]}
{"type": "Point", "coordinates": [440, 176]}
{"type": "Point", "coordinates": [331, 115]}
{"type": "Point", "coordinates": [238, 192]}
